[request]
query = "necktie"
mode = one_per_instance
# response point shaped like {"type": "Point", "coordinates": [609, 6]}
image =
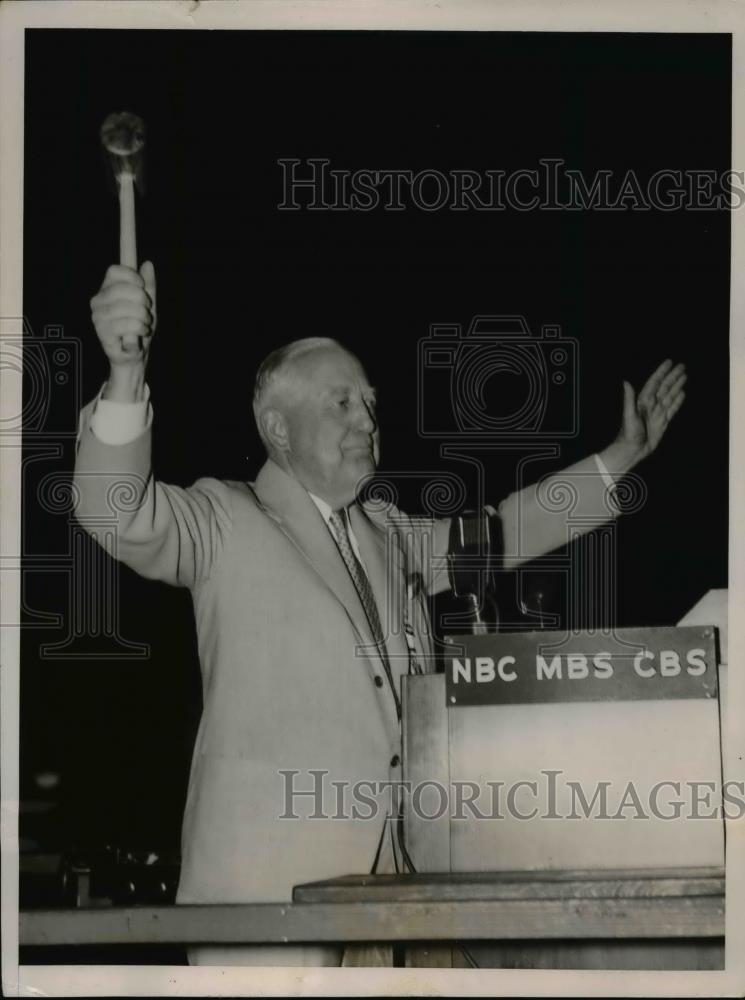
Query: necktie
{"type": "Point", "coordinates": [362, 584]}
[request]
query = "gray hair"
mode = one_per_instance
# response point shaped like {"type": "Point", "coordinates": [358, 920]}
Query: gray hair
{"type": "Point", "coordinates": [274, 379]}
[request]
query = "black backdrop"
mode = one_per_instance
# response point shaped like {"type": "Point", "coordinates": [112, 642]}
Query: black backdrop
{"type": "Point", "coordinates": [237, 277]}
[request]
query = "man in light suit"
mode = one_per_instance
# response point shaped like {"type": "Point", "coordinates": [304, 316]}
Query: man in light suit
{"type": "Point", "coordinates": [301, 597]}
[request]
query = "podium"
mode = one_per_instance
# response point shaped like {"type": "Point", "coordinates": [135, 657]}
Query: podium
{"type": "Point", "coordinates": [578, 767]}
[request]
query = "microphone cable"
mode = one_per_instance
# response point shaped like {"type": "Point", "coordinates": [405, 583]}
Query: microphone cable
{"type": "Point", "coordinates": [412, 867]}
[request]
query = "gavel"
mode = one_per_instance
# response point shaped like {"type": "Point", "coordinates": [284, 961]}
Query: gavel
{"type": "Point", "coordinates": [123, 138]}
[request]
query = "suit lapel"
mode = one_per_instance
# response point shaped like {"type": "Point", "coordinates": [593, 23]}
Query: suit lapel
{"type": "Point", "coordinates": [299, 518]}
{"type": "Point", "coordinates": [382, 559]}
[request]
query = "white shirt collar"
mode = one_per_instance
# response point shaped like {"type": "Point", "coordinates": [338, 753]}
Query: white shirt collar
{"type": "Point", "coordinates": [324, 508]}
{"type": "Point", "coordinates": [326, 512]}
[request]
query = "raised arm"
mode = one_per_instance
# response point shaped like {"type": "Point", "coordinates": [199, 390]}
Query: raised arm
{"type": "Point", "coordinates": [161, 531]}
{"type": "Point", "coordinates": [551, 512]}
{"type": "Point", "coordinates": [555, 509]}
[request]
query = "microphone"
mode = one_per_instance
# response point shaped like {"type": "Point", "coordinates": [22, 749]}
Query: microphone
{"type": "Point", "coordinates": [474, 543]}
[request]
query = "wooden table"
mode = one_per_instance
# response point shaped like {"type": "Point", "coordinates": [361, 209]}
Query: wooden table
{"type": "Point", "coordinates": [600, 919]}
{"type": "Point", "coordinates": [666, 918]}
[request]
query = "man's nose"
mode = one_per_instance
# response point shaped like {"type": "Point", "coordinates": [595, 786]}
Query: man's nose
{"type": "Point", "coordinates": [366, 418]}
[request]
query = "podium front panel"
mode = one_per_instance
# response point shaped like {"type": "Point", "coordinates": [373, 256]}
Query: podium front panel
{"type": "Point", "coordinates": [572, 750]}
{"type": "Point", "coordinates": [546, 780]}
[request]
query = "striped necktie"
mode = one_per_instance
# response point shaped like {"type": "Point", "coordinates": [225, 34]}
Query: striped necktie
{"type": "Point", "coordinates": [338, 522]}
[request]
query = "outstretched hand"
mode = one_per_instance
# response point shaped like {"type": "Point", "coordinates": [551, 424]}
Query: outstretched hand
{"type": "Point", "coordinates": [646, 416]}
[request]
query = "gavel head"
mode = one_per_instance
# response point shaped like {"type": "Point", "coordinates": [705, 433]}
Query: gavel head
{"type": "Point", "coordinates": [123, 138]}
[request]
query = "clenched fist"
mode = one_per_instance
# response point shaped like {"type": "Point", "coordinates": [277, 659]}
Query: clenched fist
{"type": "Point", "coordinates": [124, 315]}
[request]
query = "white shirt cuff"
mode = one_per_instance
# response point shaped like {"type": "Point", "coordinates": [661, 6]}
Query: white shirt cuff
{"type": "Point", "coordinates": [120, 423]}
{"type": "Point", "coordinates": [610, 485]}
{"type": "Point", "coordinates": [603, 470]}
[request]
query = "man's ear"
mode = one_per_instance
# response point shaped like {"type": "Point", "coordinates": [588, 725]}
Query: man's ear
{"type": "Point", "coordinates": [274, 426]}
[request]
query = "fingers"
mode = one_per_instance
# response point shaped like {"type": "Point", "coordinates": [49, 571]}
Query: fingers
{"type": "Point", "coordinates": [124, 326]}
{"type": "Point", "coordinates": [147, 272]}
{"type": "Point", "coordinates": [671, 376]}
{"type": "Point", "coordinates": [663, 412]}
{"type": "Point", "coordinates": [629, 402]}
{"type": "Point", "coordinates": [123, 312]}
{"type": "Point", "coordinates": [648, 393]}
{"type": "Point", "coordinates": [662, 388]}
{"type": "Point", "coordinates": [669, 389]}
{"type": "Point", "coordinates": [116, 301]}
{"type": "Point", "coordinates": [106, 313]}
{"type": "Point", "coordinates": [675, 405]}
{"type": "Point", "coordinates": [119, 273]}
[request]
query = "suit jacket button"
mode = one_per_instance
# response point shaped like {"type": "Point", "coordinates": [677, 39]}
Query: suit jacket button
{"type": "Point", "coordinates": [378, 681]}
{"type": "Point", "coordinates": [395, 760]}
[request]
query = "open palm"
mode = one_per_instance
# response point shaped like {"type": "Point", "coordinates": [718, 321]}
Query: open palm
{"type": "Point", "coordinates": [646, 416]}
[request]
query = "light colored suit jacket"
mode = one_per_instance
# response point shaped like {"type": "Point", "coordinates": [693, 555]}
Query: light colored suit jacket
{"type": "Point", "coordinates": [291, 676]}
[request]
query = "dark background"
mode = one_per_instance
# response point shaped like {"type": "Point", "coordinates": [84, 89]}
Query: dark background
{"type": "Point", "coordinates": [237, 277]}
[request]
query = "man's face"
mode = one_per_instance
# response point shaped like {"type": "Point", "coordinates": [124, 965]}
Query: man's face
{"type": "Point", "coordinates": [333, 439]}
